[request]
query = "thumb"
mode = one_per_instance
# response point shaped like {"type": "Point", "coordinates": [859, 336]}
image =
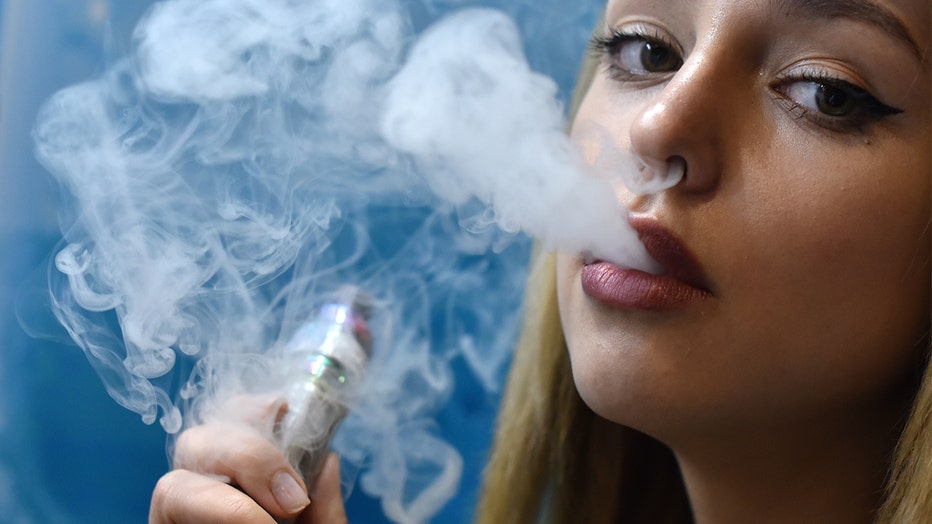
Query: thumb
{"type": "Point", "coordinates": [326, 498]}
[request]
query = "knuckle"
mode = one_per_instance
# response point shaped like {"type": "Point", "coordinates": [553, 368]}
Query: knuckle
{"type": "Point", "coordinates": [166, 485]}
{"type": "Point", "coordinates": [181, 493]}
{"type": "Point", "coordinates": [165, 495]}
{"type": "Point", "coordinates": [235, 454]}
{"type": "Point", "coordinates": [243, 509]}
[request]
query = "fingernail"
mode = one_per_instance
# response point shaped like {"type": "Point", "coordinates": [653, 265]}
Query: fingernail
{"type": "Point", "coordinates": [288, 493]}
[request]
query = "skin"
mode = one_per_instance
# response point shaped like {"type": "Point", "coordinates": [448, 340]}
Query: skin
{"type": "Point", "coordinates": [781, 395]}
{"type": "Point", "coordinates": [212, 458]}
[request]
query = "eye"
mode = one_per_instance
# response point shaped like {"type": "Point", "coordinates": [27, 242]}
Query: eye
{"type": "Point", "coordinates": [635, 55]}
{"type": "Point", "coordinates": [823, 98]}
{"type": "Point", "coordinates": [646, 56]}
{"type": "Point", "coordinates": [832, 102]}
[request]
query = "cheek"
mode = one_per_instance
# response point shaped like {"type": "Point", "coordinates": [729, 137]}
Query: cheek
{"type": "Point", "coordinates": [848, 226]}
{"type": "Point", "coordinates": [834, 270]}
{"type": "Point", "coordinates": [602, 117]}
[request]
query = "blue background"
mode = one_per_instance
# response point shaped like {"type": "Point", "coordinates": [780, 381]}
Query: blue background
{"type": "Point", "coordinates": [68, 453]}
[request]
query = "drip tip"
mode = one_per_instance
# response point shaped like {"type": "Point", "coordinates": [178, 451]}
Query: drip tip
{"type": "Point", "coordinates": [357, 307]}
{"type": "Point", "coordinates": [346, 312]}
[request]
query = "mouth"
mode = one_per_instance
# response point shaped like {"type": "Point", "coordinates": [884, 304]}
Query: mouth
{"type": "Point", "coordinates": [672, 255]}
{"type": "Point", "coordinates": [681, 283]}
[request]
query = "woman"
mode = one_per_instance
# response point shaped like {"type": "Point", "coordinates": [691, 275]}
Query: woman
{"type": "Point", "coordinates": [771, 374]}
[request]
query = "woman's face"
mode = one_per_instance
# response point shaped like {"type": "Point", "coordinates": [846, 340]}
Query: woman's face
{"type": "Point", "coordinates": [797, 247]}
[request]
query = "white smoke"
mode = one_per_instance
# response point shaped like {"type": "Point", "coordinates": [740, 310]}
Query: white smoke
{"type": "Point", "coordinates": [486, 126]}
{"type": "Point", "coordinates": [250, 156]}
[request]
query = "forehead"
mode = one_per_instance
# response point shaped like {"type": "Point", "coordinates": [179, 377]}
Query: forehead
{"type": "Point", "coordinates": [906, 20]}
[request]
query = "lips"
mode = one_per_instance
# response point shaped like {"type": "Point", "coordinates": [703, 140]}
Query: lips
{"type": "Point", "coordinates": [682, 283]}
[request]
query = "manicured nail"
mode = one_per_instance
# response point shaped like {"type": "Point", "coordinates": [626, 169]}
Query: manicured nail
{"type": "Point", "coordinates": [288, 493]}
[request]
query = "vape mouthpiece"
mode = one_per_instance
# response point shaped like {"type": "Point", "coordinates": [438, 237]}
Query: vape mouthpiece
{"type": "Point", "coordinates": [325, 361]}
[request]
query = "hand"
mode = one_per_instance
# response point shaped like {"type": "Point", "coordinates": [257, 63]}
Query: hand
{"type": "Point", "coordinates": [213, 458]}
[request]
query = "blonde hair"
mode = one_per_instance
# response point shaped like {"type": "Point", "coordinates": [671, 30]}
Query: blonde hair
{"type": "Point", "coordinates": [909, 485]}
{"type": "Point", "coordinates": [554, 460]}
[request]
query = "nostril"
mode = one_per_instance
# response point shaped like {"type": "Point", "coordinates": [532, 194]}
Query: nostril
{"type": "Point", "coordinates": [655, 176]}
{"type": "Point", "coordinates": [676, 170]}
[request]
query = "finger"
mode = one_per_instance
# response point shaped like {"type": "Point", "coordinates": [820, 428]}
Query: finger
{"type": "Point", "coordinates": [326, 499]}
{"type": "Point", "coordinates": [244, 457]}
{"type": "Point", "coordinates": [185, 497]}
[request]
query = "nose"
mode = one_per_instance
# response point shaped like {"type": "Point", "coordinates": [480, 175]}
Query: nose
{"type": "Point", "coordinates": [682, 124]}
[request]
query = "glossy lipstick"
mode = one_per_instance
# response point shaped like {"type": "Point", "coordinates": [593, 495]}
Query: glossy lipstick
{"type": "Point", "coordinates": [683, 281]}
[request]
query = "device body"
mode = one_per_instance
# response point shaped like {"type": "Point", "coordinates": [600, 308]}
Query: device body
{"type": "Point", "coordinates": [324, 362]}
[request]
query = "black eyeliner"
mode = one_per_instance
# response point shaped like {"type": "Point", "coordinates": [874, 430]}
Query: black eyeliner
{"type": "Point", "coordinates": [866, 101]}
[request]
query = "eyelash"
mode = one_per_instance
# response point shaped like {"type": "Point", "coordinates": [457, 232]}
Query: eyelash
{"type": "Point", "coordinates": [866, 109]}
{"type": "Point", "coordinates": [605, 46]}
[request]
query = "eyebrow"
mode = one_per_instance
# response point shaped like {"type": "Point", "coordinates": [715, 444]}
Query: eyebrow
{"type": "Point", "coordinates": [858, 10]}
